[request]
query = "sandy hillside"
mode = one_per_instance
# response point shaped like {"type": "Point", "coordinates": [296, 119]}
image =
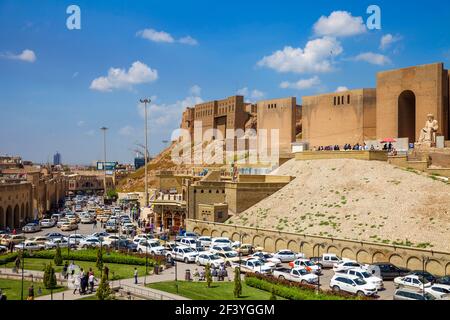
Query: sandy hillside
{"type": "Point", "coordinates": [358, 200]}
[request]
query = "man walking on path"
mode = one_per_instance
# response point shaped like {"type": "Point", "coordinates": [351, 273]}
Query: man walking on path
{"type": "Point", "coordinates": [135, 276]}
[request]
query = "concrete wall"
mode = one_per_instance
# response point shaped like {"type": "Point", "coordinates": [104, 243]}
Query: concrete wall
{"type": "Point", "coordinates": [339, 118]}
{"type": "Point", "coordinates": [357, 155]}
{"type": "Point", "coordinates": [428, 85]}
{"type": "Point", "coordinates": [364, 252]}
{"type": "Point", "coordinates": [278, 114]}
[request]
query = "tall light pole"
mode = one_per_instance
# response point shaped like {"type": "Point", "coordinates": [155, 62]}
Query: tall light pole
{"type": "Point", "coordinates": [104, 129]}
{"type": "Point", "coordinates": [145, 102]}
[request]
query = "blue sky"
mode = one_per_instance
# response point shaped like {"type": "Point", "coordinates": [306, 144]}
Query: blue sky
{"type": "Point", "coordinates": [55, 91]}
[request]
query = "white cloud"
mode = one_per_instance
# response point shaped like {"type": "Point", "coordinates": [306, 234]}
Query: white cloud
{"type": "Point", "coordinates": [341, 89]}
{"type": "Point", "coordinates": [339, 24]}
{"type": "Point", "coordinates": [315, 57]}
{"type": "Point", "coordinates": [120, 78]}
{"type": "Point", "coordinates": [155, 36]}
{"type": "Point", "coordinates": [188, 40]}
{"type": "Point", "coordinates": [195, 90]}
{"type": "Point", "coordinates": [387, 40]}
{"type": "Point", "coordinates": [252, 95]}
{"type": "Point", "coordinates": [162, 36]}
{"type": "Point", "coordinates": [27, 55]}
{"type": "Point", "coordinates": [373, 58]}
{"type": "Point", "coordinates": [127, 131]}
{"type": "Point", "coordinates": [81, 123]}
{"type": "Point", "coordinates": [301, 84]}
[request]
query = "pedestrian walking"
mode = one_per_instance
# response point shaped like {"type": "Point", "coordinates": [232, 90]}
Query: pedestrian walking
{"type": "Point", "coordinates": [31, 293]}
{"type": "Point", "coordinates": [65, 270]}
{"type": "Point", "coordinates": [135, 276]}
{"type": "Point", "coordinates": [91, 282]}
{"type": "Point", "coordinates": [94, 225]}
{"type": "Point", "coordinates": [76, 282]}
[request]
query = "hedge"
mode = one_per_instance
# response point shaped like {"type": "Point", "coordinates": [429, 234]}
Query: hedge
{"type": "Point", "coordinates": [87, 255]}
{"type": "Point", "coordinates": [293, 290]}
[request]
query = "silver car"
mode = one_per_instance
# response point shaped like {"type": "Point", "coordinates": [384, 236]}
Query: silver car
{"type": "Point", "coordinates": [407, 294]}
{"type": "Point", "coordinates": [31, 227]}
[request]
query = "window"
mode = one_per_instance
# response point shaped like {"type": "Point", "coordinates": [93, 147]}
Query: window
{"type": "Point", "coordinates": [348, 99]}
{"type": "Point", "coordinates": [334, 100]}
{"type": "Point", "coordinates": [339, 101]}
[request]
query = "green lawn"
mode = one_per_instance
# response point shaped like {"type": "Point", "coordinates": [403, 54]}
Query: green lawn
{"type": "Point", "coordinates": [13, 288]}
{"type": "Point", "coordinates": [218, 290]}
{"type": "Point", "coordinates": [121, 271]}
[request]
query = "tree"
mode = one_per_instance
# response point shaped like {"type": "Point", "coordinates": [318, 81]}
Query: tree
{"type": "Point", "coordinates": [273, 296]}
{"type": "Point", "coordinates": [49, 277]}
{"type": "Point", "coordinates": [208, 275]}
{"type": "Point", "coordinates": [104, 290]}
{"type": "Point", "coordinates": [58, 260]}
{"type": "Point", "coordinates": [237, 283]}
{"type": "Point", "coordinates": [99, 263]}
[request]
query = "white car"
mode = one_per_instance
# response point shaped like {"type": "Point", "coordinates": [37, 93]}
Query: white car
{"type": "Point", "coordinates": [366, 276]}
{"type": "Point", "coordinates": [29, 245]}
{"type": "Point", "coordinates": [296, 275]}
{"type": "Point", "coordinates": [412, 281]}
{"type": "Point", "coordinates": [221, 241]}
{"type": "Point", "coordinates": [267, 257]}
{"type": "Point", "coordinates": [87, 219]}
{"type": "Point", "coordinates": [62, 221]}
{"type": "Point", "coordinates": [205, 258]}
{"type": "Point", "coordinates": [190, 242]}
{"type": "Point", "coordinates": [182, 253]}
{"type": "Point", "coordinates": [346, 265]}
{"type": "Point", "coordinates": [353, 285]}
{"type": "Point", "coordinates": [31, 227]}
{"type": "Point", "coordinates": [229, 257]}
{"type": "Point", "coordinates": [152, 246]}
{"type": "Point", "coordinates": [288, 255]}
{"type": "Point", "coordinates": [307, 264]}
{"type": "Point", "coordinates": [140, 237]}
{"type": "Point", "coordinates": [90, 242]}
{"type": "Point", "coordinates": [205, 241]}
{"type": "Point", "coordinates": [75, 238]}
{"type": "Point", "coordinates": [47, 223]}
{"type": "Point", "coordinates": [222, 249]}
{"type": "Point", "coordinates": [52, 244]}
{"type": "Point", "coordinates": [438, 291]}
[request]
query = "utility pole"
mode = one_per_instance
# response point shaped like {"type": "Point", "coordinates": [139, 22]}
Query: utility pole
{"type": "Point", "coordinates": [145, 102]}
{"type": "Point", "coordinates": [104, 129]}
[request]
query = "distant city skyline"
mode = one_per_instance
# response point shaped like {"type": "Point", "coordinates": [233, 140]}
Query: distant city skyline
{"type": "Point", "coordinates": [59, 86]}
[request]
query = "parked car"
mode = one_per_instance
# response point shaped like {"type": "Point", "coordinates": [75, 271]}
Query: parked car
{"type": "Point", "coordinates": [438, 291]}
{"type": "Point", "coordinates": [245, 249]}
{"type": "Point", "coordinates": [58, 242]}
{"type": "Point", "coordinates": [412, 281]}
{"type": "Point", "coordinates": [67, 226]}
{"type": "Point", "coordinates": [39, 239]}
{"type": "Point", "coordinates": [90, 242]}
{"type": "Point", "coordinates": [222, 249]}
{"type": "Point", "coordinates": [5, 239]}
{"type": "Point", "coordinates": [408, 294]}
{"type": "Point", "coordinates": [307, 264]}
{"type": "Point", "coordinates": [100, 235]}
{"type": "Point", "coordinates": [183, 253]}
{"type": "Point", "coordinates": [221, 241]}
{"type": "Point", "coordinates": [252, 266]}
{"type": "Point", "coordinates": [75, 238]}
{"type": "Point", "coordinates": [152, 246]}
{"type": "Point", "coordinates": [112, 239]}
{"type": "Point", "coordinates": [430, 278]}
{"type": "Point", "coordinates": [388, 271]}
{"type": "Point", "coordinates": [205, 241]}
{"type": "Point", "coordinates": [353, 285]}
{"type": "Point", "coordinates": [61, 222]}
{"type": "Point", "coordinates": [191, 242]}
{"type": "Point", "coordinates": [111, 226]}
{"type": "Point", "coordinates": [3, 249]}
{"type": "Point", "coordinates": [327, 260]}
{"type": "Point", "coordinates": [288, 255]}
{"type": "Point", "coordinates": [48, 223]}
{"type": "Point", "coordinates": [296, 275]}
{"type": "Point", "coordinates": [366, 276]}
{"type": "Point", "coordinates": [125, 244]}
{"type": "Point", "coordinates": [444, 280]}
{"type": "Point", "coordinates": [229, 257]}
{"type": "Point", "coordinates": [54, 235]}
{"type": "Point", "coordinates": [346, 265]}
{"type": "Point", "coordinates": [31, 227]}
{"type": "Point", "coordinates": [87, 219]}
{"type": "Point", "coordinates": [267, 257]}
{"type": "Point", "coordinates": [205, 258]}
{"type": "Point", "coordinates": [29, 245]}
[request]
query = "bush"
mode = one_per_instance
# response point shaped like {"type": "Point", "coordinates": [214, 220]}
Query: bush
{"type": "Point", "coordinates": [208, 276]}
{"type": "Point", "coordinates": [49, 277]}
{"type": "Point", "coordinates": [91, 256]}
{"type": "Point", "coordinates": [104, 290]}
{"type": "Point", "coordinates": [237, 292]}
{"type": "Point", "coordinates": [58, 257]}
{"type": "Point", "coordinates": [292, 290]}
{"type": "Point", "coordinates": [7, 258]}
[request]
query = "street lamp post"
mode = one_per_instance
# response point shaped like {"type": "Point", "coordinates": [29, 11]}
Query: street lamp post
{"type": "Point", "coordinates": [104, 129]}
{"type": "Point", "coordinates": [23, 266]}
{"type": "Point", "coordinates": [145, 102]}
{"type": "Point", "coordinates": [176, 275]}
{"type": "Point", "coordinates": [321, 245]}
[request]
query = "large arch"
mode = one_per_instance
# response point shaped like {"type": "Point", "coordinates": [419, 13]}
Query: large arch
{"type": "Point", "coordinates": [414, 263]}
{"type": "Point", "coordinates": [407, 116]}
{"type": "Point", "coordinates": [9, 218]}
{"type": "Point", "coordinates": [435, 267]}
{"type": "Point", "coordinates": [378, 257]}
{"type": "Point", "coordinates": [269, 244]}
{"type": "Point", "coordinates": [258, 241]}
{"type": "Point", "coordinates": [225, 234]}
{"type": "Point", "coordinates": [348, 253]}
{"type": "Point", "coordinates": [363, 256]}
{"type": "Point", "coordinates": [333, 249]}
{"type": "Point", "coordinates": [280, 244]}
{"type": "Point", "coordinates": [293, 245]}
{"type": "Point", "coordinates": [16, 218]}
{"type": "Point", "coordinates": [397, 260]}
